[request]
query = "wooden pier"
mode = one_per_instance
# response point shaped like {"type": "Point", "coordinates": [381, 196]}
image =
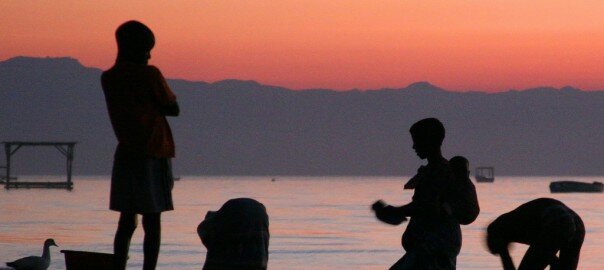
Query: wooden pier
{"type": "Point", "coordinates": [10, 148]}
{"type": "Point", "coordinates": [3, 177]}
{"type": "Point", "coordinates": [57, 185]}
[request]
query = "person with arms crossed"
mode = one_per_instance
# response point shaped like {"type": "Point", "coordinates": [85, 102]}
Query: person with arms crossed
{"type": "Point", "coordinates": [138, 101]}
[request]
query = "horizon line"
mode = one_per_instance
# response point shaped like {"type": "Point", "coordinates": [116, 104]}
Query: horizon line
{"type": "Point", "coordinates": [423, 83]}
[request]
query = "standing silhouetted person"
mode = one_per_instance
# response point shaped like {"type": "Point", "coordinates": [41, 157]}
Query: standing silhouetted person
{"type": "Point", "coordinates": [138, 100]}
{"type": "Point", "coordinates": [236, 236]}
{"type": "Point", "coordinates": [432, 239]}
{"type": "Point", "coordinates": [547, 226]}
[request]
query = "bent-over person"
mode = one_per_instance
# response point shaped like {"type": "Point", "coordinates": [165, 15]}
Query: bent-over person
{"type": "Point", "coordinates": [547, 226]}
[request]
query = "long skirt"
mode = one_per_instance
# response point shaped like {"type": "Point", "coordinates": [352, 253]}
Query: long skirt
{"type": "Point", "coordinates": [141, 185]}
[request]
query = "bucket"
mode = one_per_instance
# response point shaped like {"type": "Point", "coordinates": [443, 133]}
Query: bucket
{"type": "Point", "coordinates": [85, 260]}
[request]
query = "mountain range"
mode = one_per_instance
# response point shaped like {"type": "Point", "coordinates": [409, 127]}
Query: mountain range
{"type": "Point", "coordinates": [235, 127]}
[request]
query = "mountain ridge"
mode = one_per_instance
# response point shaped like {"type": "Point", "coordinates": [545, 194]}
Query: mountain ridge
{"type": "Point", "coordinates": [70, 62]}
{"type": "Point", "coordinates": [234, 127]}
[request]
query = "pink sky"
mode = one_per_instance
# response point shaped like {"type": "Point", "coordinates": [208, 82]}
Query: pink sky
{"type": "Point", "coordinates": [456, 44]}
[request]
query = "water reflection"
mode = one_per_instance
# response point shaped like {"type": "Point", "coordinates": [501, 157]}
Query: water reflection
{"type": "Point", "coordinates": [316, 223]}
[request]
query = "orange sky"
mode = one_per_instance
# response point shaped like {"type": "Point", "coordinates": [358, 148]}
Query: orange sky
{"type": "Point", "coordinates": [492, 45]}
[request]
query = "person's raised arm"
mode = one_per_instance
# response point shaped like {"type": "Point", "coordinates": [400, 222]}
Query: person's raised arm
{"type": "Point", "coordinates": [164, 96]}
{"type": "Point", "coordinates": [406, 210]}
{"type": "Point", "coordinates": [424, 201]}
{"type": "Point", "coordinates": [387, 213]}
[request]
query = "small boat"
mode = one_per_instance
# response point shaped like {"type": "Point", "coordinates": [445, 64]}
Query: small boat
{"type": "Point", "coordinates": [485, 174]}
{"type": "Point", "coordinates": [575, 186]}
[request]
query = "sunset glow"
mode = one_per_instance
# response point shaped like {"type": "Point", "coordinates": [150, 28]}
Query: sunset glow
{"type": "Point", "coordinates": [455, 44]}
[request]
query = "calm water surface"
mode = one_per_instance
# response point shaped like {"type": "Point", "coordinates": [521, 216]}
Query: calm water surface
{"type": "Point", "coordinates": [315, 222]}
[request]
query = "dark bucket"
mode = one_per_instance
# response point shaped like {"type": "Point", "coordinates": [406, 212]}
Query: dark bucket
{"type": "Point", "coordinates": [85, 260]}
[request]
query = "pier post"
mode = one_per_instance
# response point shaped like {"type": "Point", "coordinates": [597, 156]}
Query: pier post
{"type": "Point", "coordinates": [8, 154]}
{"type": "Point", "coordinates": [69, 163]}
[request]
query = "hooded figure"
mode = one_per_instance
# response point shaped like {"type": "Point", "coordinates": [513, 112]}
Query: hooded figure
{"type": "Point", "coordinates": [236, 236]}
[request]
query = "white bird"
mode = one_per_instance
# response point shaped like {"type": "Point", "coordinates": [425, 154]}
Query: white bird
{"type": "Point", "coordinates": [35, 262]}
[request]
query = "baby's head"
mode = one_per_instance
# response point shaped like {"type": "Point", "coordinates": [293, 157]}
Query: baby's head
{"type": "Point", "coordinates": [460, 166]}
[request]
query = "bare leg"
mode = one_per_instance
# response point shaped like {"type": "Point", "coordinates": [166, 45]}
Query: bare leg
{"type": "Point", "coordinates": [538, 256]}
{"type": "Point", "coordinates": [152, 227]}
{"type": "Point", "coordinates": [121, 243]}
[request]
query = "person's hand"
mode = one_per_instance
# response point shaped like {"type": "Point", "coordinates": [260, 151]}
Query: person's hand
{"type": "Point", "coordinates": [387, 213]}
{"type": "Point", "coordinates": [378, 205]}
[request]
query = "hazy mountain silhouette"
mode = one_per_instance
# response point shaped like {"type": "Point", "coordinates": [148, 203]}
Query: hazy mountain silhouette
{"type": "Point", "coordinates": [235, 127]}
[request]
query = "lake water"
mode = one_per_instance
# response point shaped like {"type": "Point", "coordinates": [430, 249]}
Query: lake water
{"type": "Point", "coordinates": [315, 222]}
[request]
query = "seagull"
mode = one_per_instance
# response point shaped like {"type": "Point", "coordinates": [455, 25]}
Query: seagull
{"type": "Point", "coordinates": [35, 262]}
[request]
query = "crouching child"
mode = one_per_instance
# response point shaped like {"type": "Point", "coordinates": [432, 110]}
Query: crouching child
{"type": "Point", "coordinates": [236, 236]}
